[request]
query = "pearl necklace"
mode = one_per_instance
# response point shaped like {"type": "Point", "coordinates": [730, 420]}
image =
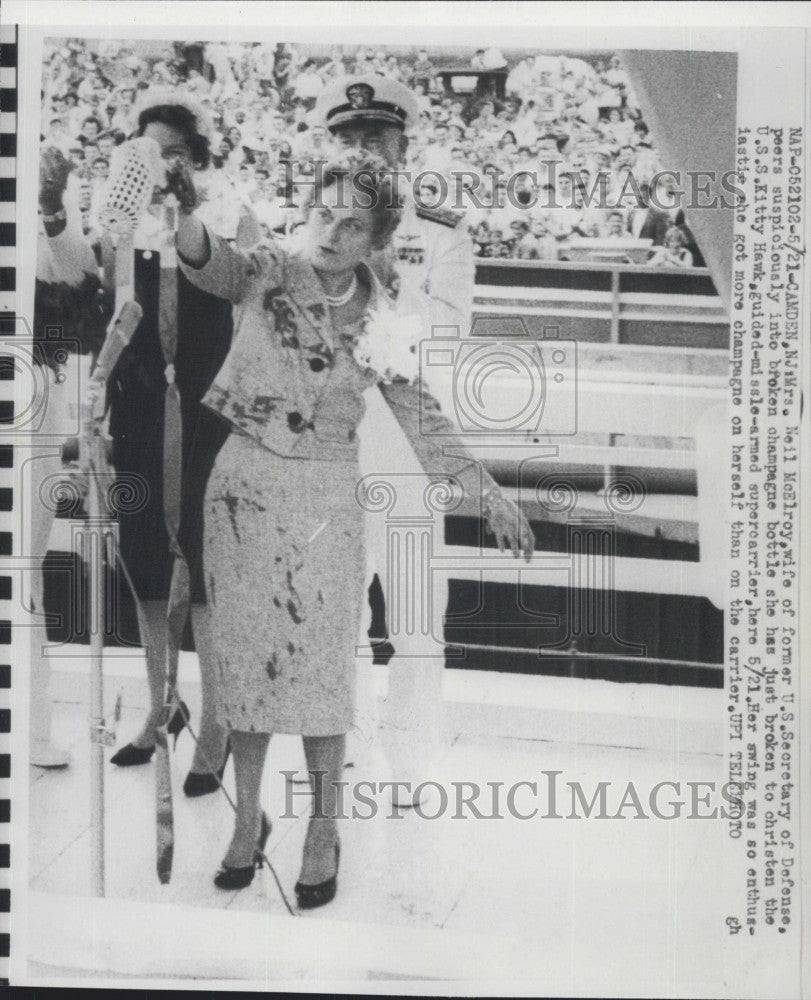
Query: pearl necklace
{"type": "Point", "coordinates": [344, 297]}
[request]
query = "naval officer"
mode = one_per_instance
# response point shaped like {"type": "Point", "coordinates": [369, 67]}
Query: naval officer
{"type": "Point", "coordinates": [429, 270]}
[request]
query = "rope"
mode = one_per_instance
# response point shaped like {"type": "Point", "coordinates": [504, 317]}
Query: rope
{"type": "Point", "coordinates": [574, 654]}
{"type": "Point", "coordinates": [233, 806]}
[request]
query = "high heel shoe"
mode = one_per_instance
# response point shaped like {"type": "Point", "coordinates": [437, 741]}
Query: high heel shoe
{"type": "Point", "coordinates": [197, 784]}
{"type": "Point", "coordinates": [178, 721]}
{"type": "Point", "coordinates": [130, 755]}
{"type": "Point", "coordinates": [311, 896]}
{"type": "Point", "coordinates": [239, 878]}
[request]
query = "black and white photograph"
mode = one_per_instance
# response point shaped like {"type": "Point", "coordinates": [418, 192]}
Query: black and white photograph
{"type": "Point", "coordinates": [406, 474]}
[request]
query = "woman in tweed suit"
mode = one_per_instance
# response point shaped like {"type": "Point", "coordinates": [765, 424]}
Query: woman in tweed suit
{"type": "Point", "coordinates": [284, 558]}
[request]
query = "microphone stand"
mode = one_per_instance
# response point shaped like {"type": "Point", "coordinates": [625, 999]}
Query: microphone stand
{"type": "Point", "coordinates": [93, 542]}
{"type": "Point", "coordinates": [96, 542]}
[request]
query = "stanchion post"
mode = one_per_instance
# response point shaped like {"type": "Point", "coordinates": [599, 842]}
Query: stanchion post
{"type": "Point", "coordinates": [93, 534]}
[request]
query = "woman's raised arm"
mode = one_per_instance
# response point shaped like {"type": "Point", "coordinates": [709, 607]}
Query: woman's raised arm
{"type": "Point", "coordinates": [207, 261]}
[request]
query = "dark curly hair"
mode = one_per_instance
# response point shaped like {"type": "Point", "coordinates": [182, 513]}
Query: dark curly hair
{"type": "Point", "coordinates": [178, 117]}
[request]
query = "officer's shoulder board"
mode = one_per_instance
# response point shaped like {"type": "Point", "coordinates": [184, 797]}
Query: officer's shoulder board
{"type": "Point", "coordinates": [444, 216]}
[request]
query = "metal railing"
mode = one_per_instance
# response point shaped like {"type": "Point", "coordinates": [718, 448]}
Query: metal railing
{"type": "Point", "coordinates": [602, 302]}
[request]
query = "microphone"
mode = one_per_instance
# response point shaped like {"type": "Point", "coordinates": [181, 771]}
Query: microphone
{"type": "Point", "coordinates": [136, 168]}
{"type": "Point", "coordinates": [119, 334]}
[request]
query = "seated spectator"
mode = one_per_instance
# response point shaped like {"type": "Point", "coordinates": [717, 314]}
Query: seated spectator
{"type": "Point", "coordinates": [223, 146]}
{"type": "Point", "coordinates": [335, 67]}
{"type": "Point", "coordinates": [691, 246]}
{"type": "Point", "coordinates": [614, 228]}
{"type": "Point", "coordinates": [616, 130]}
{"type": "Point", "coordinates": [76, 154]}
{"type": "Point", "coordinates": [91, 129]}
{"type": "Point", "coordinates": [521, 78]}
{"type": "Point", "coordinates": [645, 221]}
{"type": "Point", "coordinates": [525, 189]}
{"type": "Point", "coordinates": [495, 247]}
{"type": "Point", "coordinates": [99, 168]}
{"type": "Point", "coordinates": [674, 253]}
{"type": "Point", "coordinates": [480, 234]}
{"type": "Point", "coordinates": [308, 84]}
{"type": "Point", "coordinates": [590, 215]}
{"type": "Point", "coordinates": [615, 76]}
{"type": "Point", "coordinates": [539, 244]}
{"type": "Point", "coordinates": [518, 229]}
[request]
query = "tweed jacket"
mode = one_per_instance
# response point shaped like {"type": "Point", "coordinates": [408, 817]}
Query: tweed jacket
{"type": "Point", "coordinates": [289, 381]}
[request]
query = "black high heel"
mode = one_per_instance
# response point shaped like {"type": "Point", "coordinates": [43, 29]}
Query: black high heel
{"type": "Point", "coordinates": [131, 755]}
{"type": "Point", "coordinates": [311, 896]}
{"type": "Point", "coordinates": [178, 721]}
{"type": "Point", "coordinates": [196, 784]}
{"type": "Point", "coordinates": [240, 878]}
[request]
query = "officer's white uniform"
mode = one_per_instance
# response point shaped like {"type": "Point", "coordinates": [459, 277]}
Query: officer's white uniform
{"type": "Point", "coordinates": [429, 267]}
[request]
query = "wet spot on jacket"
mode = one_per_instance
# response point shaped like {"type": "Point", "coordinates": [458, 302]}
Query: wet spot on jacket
{"type": "Point", "coordinates": [292, 610]}
{"type": "Point", "coordinates": [291, 588]}
{"type": "Point", "coordinates": [270, 295]}
{"type": "Point", "coordinates": [320, 597]}
{"type": "Point", "coordinates": [270, 669]}
{"type": "Point", "coordinates": [277, 603]}
{"type": "Point", "coordinates": [231, 504]}
{"type": "Point", "coordinates": [291, 648]}
{"type": "Point", "coordinates": [265, 404]}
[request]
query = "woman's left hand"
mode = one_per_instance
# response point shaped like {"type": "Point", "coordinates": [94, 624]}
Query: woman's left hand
{"type": "Point", "coordinates": [507, 522]}
{"type": "Point", "coordinates": [180, 183]}
{"type": "Point", "coordinates": [54, 168]}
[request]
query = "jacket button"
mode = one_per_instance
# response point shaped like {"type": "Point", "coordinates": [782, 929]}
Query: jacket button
{"type": "Point", "coordinates": [317, 364]}
{"type": "Point", "coordinates": [295, 421]}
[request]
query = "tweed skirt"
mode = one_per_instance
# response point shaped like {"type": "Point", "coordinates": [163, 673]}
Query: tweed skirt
{"type": "Point", "coordinates": [285, 571]}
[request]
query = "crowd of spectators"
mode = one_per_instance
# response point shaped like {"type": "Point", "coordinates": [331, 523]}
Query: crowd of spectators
{"type": "Point", "coordinates": [523, 166]}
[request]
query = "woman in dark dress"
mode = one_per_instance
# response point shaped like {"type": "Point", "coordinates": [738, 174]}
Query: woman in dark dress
{"type": "Point", "coordinates": [136, 399]}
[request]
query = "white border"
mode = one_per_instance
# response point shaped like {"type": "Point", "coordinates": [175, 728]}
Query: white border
{"type": "Point", "coordinates": [767, 72]}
